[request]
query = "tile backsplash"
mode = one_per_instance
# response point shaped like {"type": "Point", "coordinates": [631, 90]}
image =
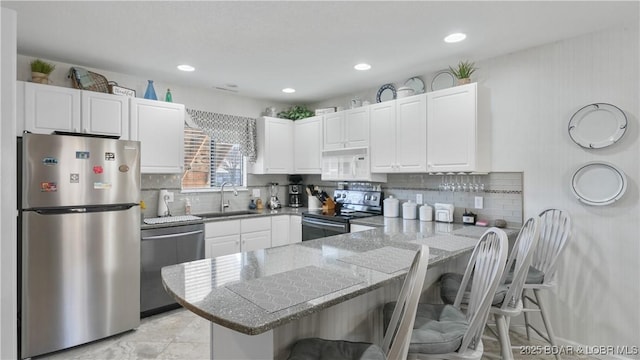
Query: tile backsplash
{"type": "Point", "coordinates": [207, 201]}
{"type": "Point", "coordinates": [502, 194]}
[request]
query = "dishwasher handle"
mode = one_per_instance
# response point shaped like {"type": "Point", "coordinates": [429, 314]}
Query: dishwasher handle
{"type": "Point", "coordinates": [155, 237]}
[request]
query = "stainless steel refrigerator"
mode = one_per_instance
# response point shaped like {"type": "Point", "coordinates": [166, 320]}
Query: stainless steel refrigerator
{"type": "Point", "coordinates": [79, 240]}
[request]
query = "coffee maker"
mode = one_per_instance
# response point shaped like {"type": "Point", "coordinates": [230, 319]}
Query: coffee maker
{"type": "Point", "coordinates": [295, 195]}
{"type": "Point", "coordinates": [295, 191]}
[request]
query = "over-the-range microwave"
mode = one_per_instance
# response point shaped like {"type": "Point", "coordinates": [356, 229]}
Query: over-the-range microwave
{"type": "Point", "coordinates": [349, 164]}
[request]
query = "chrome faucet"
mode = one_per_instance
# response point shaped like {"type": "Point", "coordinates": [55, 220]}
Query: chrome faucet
{"type": "Point", "coordinates": [235, 193]}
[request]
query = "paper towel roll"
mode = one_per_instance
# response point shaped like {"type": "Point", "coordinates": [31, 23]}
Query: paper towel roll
{"type": "Point", "coordinates": [162, 203]}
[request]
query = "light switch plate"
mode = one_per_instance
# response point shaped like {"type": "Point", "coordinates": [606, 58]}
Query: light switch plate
{"type": "Point", "coordinates": [479, 202]}
{"type": "Point", "coordinates": [419, 199]}
{"type": "Point", "coordinates": [255, 193]}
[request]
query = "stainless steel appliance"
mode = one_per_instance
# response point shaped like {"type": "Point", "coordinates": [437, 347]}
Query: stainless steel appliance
{"type": "Point", "coordinates": [79, 224]}
{"type": "Point", "coordinates": [162, 247]}
{"type": "Point", "coordinates": [350, 204]}
{"type": "Point", "coordinates": [295, 195]}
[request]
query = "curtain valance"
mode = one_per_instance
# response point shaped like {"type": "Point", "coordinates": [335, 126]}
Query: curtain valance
{"type": "Point", "coordinates": [229, 129]}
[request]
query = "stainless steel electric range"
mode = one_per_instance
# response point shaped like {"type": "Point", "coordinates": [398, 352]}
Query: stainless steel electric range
{"type": "Point", "coordinates": [350, 204]}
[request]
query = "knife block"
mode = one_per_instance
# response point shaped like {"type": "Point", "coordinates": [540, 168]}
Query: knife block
{"type": "Point", "coordinates": [328, 205]}
{"type": "Point", "coordinates": [314, 203]}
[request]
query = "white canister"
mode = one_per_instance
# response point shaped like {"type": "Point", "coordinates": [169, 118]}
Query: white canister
{"type": "Point", "coordinates": [426, 213]}
{"type": "Point", "coordinates": [409, 210]}
{"type": "Point", "coordinates": [391, 207]}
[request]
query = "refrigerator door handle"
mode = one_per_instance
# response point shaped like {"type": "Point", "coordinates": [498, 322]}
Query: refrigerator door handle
{"type": "Point", "coordinates": [82, 210]}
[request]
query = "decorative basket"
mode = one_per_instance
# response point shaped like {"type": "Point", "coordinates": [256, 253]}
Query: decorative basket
{"type": "Point", "coordinates": [88, 80]}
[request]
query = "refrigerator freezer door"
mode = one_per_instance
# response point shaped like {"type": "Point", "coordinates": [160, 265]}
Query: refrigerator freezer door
{"type": "Point", "coordinates": [62, 171]}
{"type": "Point", "coordinates": [80, 278]}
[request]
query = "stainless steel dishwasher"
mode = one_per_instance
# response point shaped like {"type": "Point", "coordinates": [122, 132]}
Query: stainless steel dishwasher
{"type": "Point", "coordinates": [160, 247]}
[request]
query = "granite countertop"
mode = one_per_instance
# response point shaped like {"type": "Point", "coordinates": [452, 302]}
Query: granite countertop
{"type": "Point", "coordinates": [205, 286]}
{"type": "Point", "coordinates": [253, 214]}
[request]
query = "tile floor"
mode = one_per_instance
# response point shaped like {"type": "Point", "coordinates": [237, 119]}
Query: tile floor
{"type": "Point", "coordinates": [180, 334]}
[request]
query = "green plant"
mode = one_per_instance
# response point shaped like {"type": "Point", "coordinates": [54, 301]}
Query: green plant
{"type": "Point", "coordinates": [464, 69]}
{"type": "Point", "coordinates": [295, 113]}
{"type": "Point", "coordinates": [40, 66]}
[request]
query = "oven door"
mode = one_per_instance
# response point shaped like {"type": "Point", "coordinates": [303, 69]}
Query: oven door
{"type": "Point", "coordinates": [313, 228]}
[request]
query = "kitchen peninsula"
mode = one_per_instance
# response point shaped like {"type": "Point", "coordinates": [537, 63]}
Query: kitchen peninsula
{"type": "Point", "coordinates": [260, 302]}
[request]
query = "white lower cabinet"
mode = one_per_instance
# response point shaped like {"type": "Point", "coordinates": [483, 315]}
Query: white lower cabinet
{"type": "Point", "coordinates": [295, 229]}
{"type": "Point", "coordinates": [221, 238]}
{"type": "Point", "coordinates": [222, 245]}
{"type": "Point", "coordinates": [280, 234]}
{"type": "Point", "coordinates": [234, 236]}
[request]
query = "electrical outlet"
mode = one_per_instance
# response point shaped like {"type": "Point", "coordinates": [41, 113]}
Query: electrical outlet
{"type": "Point", "coordinates": [169, 197]}
{"type": "Point", "coordinates": [419, 199]}
{"type": "Point", "coordinates": [479, 202]}
{"type": "Point", "coordinates": [255, 193]}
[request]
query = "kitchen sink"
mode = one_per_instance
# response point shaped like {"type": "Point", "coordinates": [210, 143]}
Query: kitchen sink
{"type": "Point", "coordinates": [226, 214]}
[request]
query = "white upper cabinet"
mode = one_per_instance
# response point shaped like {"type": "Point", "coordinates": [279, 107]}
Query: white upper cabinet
{"type": "Point", "coordinates": [50, 108]}
{"type": "Point", "coordinates": [274, 146]}
{"type": "Point", "coordinates": [333, 131]}
{"type": "Point", "coordinates": [411, 134]}
{"type": "Point", "coordinates": [307, 145]}
{"type": "Point", "coordinates": [357, 127]}
{"type": "Point", "coordinates": [454, 140]}
{"type": "Point", "coordinates": [105, 114]}
{"type": "Point", "coordinates": [346, 129]}
{"type": "Point", "coordinates": [383, 137]}
{"type": "Point", "coordinates": [159, 126]}
{"type": "Point", "coordinates": [399, 135]}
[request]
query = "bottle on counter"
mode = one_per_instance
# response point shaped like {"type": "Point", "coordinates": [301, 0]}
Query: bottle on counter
{"type": "Point", "coordinates": [168, 97]}
{"type": "Point", "coordinates": [252, 205]}
{"type": "Point", "coordinates": [187, 207]}
{"type": "Point", "coordinates": [259, 204]}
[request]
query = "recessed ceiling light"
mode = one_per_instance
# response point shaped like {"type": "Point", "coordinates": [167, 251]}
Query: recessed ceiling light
{"type": "Point", "coordinates": [362, 67]}
{"type": "Point", "coordinates": [185, 67]}
{"type": "Point", "coordinates": [453, 38]}
{"type": "Point", "coordinates": [288, 90]}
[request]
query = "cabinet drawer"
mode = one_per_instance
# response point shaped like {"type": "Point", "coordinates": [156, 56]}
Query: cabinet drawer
{"type": "Point", "coordinates": [259, 224]}
{"type": "Point", "coordinates": [221, 228]}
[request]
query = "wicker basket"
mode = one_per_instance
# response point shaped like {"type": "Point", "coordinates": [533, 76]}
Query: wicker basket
{"type": "Point", "coordinates": [96, 81]}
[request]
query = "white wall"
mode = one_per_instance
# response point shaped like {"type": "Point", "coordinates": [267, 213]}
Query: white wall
{"type": "Point", "coordinates": [529, 97]}
{"type": "Point", "coordinates": [193, 98]}
{"type": "Point", "coordinates": [8, 253]}
{"type": "Point", "coordinates": [533, 94]}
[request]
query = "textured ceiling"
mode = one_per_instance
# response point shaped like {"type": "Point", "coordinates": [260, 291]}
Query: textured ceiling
{"type": "Point", "coordinates": [265, 46]}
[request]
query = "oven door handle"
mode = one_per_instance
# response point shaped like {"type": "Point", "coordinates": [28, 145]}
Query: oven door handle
{"type": "Point", "coordinates": [323, 224]}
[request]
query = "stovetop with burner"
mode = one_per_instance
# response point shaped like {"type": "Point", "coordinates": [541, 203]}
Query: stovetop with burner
{"type": "Point", "coordinates": [351, 204]}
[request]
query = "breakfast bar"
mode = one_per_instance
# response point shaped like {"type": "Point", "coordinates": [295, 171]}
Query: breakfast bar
{"type": "Point", "coordinates": [260, 302]}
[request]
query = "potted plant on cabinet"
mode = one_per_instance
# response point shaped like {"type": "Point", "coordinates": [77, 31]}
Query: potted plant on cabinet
{"type": "Point", "coordinates": [463, 71]}
{"type": "Point", "coordinates": [295, 113]}
{"type": "Point", "coordinates": [40, 71]}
